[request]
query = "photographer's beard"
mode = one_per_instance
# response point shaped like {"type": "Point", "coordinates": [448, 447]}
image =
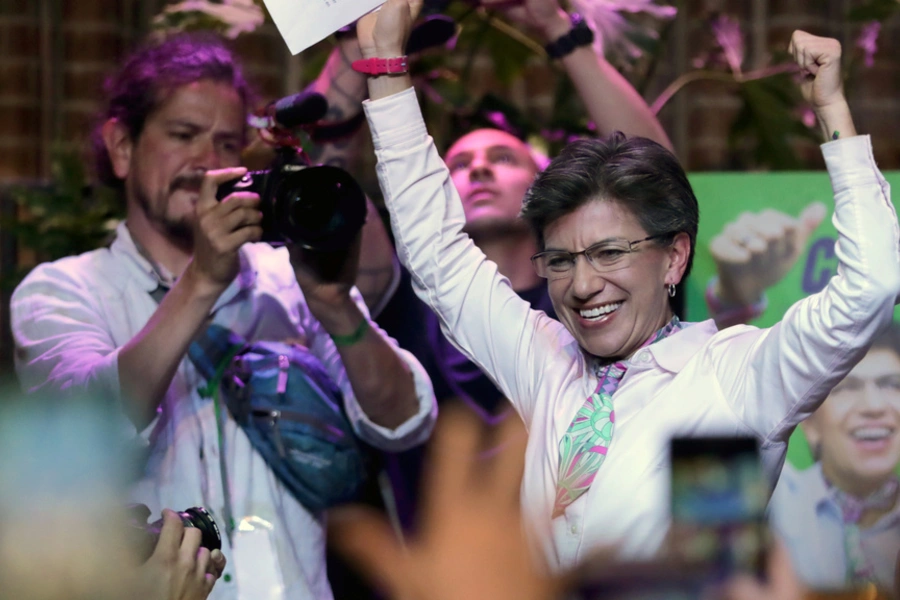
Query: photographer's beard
{"type": "Point", "coordinates": [178, 230]}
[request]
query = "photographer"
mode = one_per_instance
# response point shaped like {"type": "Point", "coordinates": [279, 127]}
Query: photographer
{"type": "Point", "coordinates": [117, 322]}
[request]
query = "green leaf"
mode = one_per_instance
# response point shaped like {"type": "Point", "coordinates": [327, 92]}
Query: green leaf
{"type": "Point", "coordinates": [454, 96]}
{"type": "Point", "coordinates": [190, 20]}
{"type": "Point", "coordinates": [874, 10]}
{"type": "Point", "coordinates": [768, 122]}
{"type": "Point", "coordinates": [65, 216]}
{"type": "Point", "coordinates": [509, 55]}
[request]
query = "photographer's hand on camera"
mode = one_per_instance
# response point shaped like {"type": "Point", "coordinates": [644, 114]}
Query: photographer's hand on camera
{"type": "Point", "coordinates": [147, 363]}
{"type": "Point", "coordinates": [381, 380]}
{"type": "Point", "coordinates": [179, 568]}
{"type": "Point", "coordinates": [326, 278]}
{"type": "Point", "coordinates": [221, 229]}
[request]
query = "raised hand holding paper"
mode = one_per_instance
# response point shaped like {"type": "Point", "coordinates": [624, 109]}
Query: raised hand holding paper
{"type": "Point", "coordinates": [302, 23]}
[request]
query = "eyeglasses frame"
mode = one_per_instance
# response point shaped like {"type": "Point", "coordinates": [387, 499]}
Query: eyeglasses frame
{"type": "Point", "coordinates": [584, 252]}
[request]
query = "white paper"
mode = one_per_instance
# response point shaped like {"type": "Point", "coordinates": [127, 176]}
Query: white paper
{"type": "Point", "coordinates": [302, 23]}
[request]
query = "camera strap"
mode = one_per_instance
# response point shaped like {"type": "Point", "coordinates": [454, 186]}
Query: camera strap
{"type": "Point", "coordinates": [211, 390]}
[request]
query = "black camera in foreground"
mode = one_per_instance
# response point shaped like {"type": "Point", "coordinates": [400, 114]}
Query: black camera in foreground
{"type": "Point", "coordinates": [320, 208]}
{"type": "Point", "coordinates": [147, 534]}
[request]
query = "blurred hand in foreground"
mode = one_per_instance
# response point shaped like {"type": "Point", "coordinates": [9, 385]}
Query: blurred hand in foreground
{"type": "Point", "coordinates": [471, 543]}
{"type": "Point", "coordinates": [781, 581]}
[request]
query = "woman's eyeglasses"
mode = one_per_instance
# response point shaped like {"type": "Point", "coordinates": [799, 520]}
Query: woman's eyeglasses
{"type": "Point", "coordinates": [606, 256]}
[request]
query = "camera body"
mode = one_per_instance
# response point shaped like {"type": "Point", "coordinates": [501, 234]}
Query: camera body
{"type": "Point", "coordinates": [320, 208]}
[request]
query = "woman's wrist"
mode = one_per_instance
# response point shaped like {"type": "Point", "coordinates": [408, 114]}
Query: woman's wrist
{"type": "Point", "coordinates": [382, 86]}
{"type": "Point", "coordinates": [390, 51]}
{"type": "Point", "coordinates": [835, 120]}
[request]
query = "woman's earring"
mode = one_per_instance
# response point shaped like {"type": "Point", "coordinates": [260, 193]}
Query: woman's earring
{"type": "Point", "coordinates": [671, 290]}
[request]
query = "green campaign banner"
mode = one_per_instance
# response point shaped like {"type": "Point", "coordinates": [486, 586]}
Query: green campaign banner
{"type": "Point", "coordinates": [723, 198]}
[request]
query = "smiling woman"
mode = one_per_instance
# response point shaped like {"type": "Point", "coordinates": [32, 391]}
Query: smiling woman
{"type": "Point", "coordinates": [603, 391]}
{"type": "Point", "coordinates": [116, 324]}
{"type": "Point", "coordinates": [638, 241]}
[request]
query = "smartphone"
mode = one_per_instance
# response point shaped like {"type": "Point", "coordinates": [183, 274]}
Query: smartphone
{"type": "Point", "coordinates": [718, 501]}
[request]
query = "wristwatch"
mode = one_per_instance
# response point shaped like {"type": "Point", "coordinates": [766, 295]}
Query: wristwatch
{"type": "Point", "coordinates": [579, 35]}
{"type": "Point", "coordinates": [381, 66]}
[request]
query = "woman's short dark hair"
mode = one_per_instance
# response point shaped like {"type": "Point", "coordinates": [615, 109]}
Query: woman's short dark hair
{"type": "Point", "coordinates": [153, 71]}
{"type": "Point", "coordinates": [635, 172]}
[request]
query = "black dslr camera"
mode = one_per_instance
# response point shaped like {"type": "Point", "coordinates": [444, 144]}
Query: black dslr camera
{"type": "Point", "coordinates": [146, 535]}
{"type": "Point", "coordinates": [320, 208]}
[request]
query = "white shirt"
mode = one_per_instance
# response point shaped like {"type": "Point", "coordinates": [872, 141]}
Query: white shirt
{"type": "Point", "coordinates": [742, 380]}
{"type": "Point", "coordinates": [71, 317]}
{"type": "Point", "coordinates": [805, 514]}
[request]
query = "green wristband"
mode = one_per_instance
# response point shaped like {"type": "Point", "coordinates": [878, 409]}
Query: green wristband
{"type": "Point", "coordinates": [349, 340]}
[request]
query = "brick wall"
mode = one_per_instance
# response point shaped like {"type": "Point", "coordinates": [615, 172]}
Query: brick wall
{"type": "Point", "coordinates": [20, 88]}
{"type": "Point", "coordinates": [54, 54]}
{"type": "Point", "coordinates": [699, 117]}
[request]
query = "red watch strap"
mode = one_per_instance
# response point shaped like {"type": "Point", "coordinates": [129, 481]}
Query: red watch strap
{"type": "Point", "coordinates": [381, 66]}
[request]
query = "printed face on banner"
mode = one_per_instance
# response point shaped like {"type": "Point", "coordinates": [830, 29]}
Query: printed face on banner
{"type": "Point", "coordinates": [791, 211]}
{"type": "Point", "coordinates": [856, 432]}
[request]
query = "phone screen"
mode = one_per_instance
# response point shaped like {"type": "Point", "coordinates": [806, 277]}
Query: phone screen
{"type": "Point", "coordinates": [718, 499]}
{"type": "Point", "coordinates": [718, 502]}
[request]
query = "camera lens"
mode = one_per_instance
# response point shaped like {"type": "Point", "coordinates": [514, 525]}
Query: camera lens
{"type": "Point", "coordinates": [198, 518]}
{"type": "Point", "coordinates": [146, 535]}
{"type": "Point", "coordinates": [319, 208]}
